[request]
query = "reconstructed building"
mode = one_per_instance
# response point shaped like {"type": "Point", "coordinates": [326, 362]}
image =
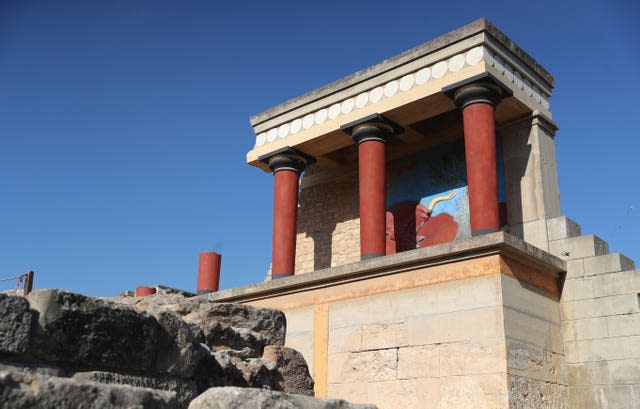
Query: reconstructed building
{"type": "Point", "coordinates": [419, 249]}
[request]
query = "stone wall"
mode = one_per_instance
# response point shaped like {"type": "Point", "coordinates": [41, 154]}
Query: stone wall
{"type": "Point", "coordinates": [328, 225]}
{"type": "Point", "coordinates": [59, 349]}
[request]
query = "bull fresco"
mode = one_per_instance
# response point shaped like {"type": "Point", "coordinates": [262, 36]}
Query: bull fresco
{"type": "Point", "coordinates": [427, 199]}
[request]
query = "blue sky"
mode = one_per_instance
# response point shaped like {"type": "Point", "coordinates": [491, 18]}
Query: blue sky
{"type": "Point", "coordinates": [124, 124]}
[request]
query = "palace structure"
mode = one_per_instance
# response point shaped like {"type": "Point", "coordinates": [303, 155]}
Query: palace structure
{"type": "Point", "coordinates": [419, 248]}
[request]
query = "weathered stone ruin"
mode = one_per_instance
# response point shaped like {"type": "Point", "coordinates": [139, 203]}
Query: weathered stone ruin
{"type": "Point", "coordinates": [65, 350]}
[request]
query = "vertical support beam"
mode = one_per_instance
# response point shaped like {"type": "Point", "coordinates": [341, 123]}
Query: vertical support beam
{"type": "Point", "coordinates": [321, 349]}
{"type": "Point", "coordinates": [371, 134]}
{"type": "Point", "coordinates": [209, 272]}
{"type": "Point", "coordinates": [477, 101]}
{"type": "Point", "coordinates": [286, 164]}
{"type": "Point", "coordinates": [28, 283]}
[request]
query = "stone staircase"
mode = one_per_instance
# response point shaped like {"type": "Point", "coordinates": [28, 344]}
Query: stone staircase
{"type": "Point", "coordinates": [600, 306]}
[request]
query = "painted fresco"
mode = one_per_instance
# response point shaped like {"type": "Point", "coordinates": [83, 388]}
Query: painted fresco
{"type": "Point", "coordinates": [427, 200]}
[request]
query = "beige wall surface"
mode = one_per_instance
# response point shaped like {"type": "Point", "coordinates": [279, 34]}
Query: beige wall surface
{"type": "Point", "coordinates": [456, 335]}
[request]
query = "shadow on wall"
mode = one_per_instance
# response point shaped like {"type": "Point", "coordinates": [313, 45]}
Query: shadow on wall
{"type": "Point", "coordinates": [326, 209]}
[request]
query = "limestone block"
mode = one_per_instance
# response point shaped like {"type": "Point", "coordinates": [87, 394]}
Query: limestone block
{"type": "Point", "coordinates": [419, 362]}
{"type": "Point", "coordinates": [367, 366]}
{"type": "Point", "coordinates": [519, 326]}
{"type": "Point", "coordinates": [575, 268]}
{"type": "Point", "coordinates": [606, 396]}
{"type": "Point", "coordinates": [535, 394]}
{"type": "Point", "coordinates": [578, 247]}
{"type": "Point", "coordinates": [578, 288]}
{"type": "Point", "coordinates": [472, 358]}
{"type": "Point", "coordinates": [356, 392]}
{"type": "Point", "coordinates": [345, 339]}
{"type": "Point", "coordinates": [599, 307]}
{"type": "Point", "coordinates": [91, 332]}
{"type": "Point", "coordinates": [587, 328]}
{"type": "Point", "coordinates": [561, 228]}
{"type": "Point", "coordinates": [473, 392]}
{"type": "Point", "coordinates": [623, 325]}
{"type": "Point", "coordinates": [533, 232]}
{"type": "Point", "coordinates": [384, 336]}
{"type": "Point", "coordinates": [15, 324]}
{"type": "Point", "coordinates": [473, 325]}
{"type": "Point", "coordinates": [607, 263]}
{"type": "Point", "coordinates": [406, 394]}
{"type": "Point", "coordinates": [24, 391]}
{"type": "Point", "coordinates": [522, 297]}
{"type": "Point", "coordinates": [531, 362]}
{"type": "Point", "coordinates": [293, 373]}
{"type": "Point", "coordinates": [608, 349]}
{"type": "Point", "coordinates": [303, 343]}
{"type": "Point", "coordinates": [623, 282]}
{"type": "Point", "coordinates": [619, 372]}
{"type": "Point", "coordinates": [242, 398]}
{"type": "Point", "coordinates": [398, 305]}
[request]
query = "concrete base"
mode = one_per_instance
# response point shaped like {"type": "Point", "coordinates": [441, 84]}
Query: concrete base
{"type": "Point", "coordinates": [474, 323]}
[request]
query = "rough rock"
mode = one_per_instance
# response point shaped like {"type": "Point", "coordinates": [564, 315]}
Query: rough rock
{"type": "Point", "coordinates": [249, 398]}
{"type": "Point", "coordinates": [25, 391]}
{"type": "Point", "coordinates": [186, 390]}
{"type": "Point", "coordinates": [267, 326]}
{"type": "Point", "coordinates": [15, 324]}
{"type": "Point", "coordinates": [236, 341]}
{"type": "Point", "coordinates": [293, 373]}
{"type": "Point", "coordinates": [179, 346]}
{"type": "Point", "coordinates": [91, 332]}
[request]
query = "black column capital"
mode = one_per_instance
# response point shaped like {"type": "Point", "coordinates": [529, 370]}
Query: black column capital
{"type": "Point", "coordinates": [374, 127]}
{"type": "Point", "coordinates": [483, 92]}
{"type": "Point", "coordinates": [287, 158]}
{"type": "Point", "coordinates": [482, 88]}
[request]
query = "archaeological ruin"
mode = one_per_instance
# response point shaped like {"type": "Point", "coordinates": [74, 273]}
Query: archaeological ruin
{"type": "Point", "coordinates": [420, 259]}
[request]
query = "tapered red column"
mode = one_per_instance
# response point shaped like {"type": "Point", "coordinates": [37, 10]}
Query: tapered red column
{"type": "Point", "coordinates": [209, 272]}
{"type": "Point", "coordinates": [477, 103]}
{"type": "Point", "coordinates": [372, 134]}
{"type": "Point", "coordinates": [286, 166]}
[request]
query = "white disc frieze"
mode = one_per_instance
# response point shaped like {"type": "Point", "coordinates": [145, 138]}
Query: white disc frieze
{"type": "Point", "coordinates": [474, 55]}
{"type": "Point", "coordinates": [334, 111]}
{"type": "Point", "coordinates": [406, 82]}
{"type": "Point", "coordinates": [527, 87]}
{"type": "Point", "coordinates": [423, 76]}
{"type": "Point", "coordinates": [307, 121]}
{"type": "Point", "coordinates": [456, 63]}
{"type": "Point", "coordinates": [497, 62]}
{"type": "Point", "coordinates": [508, 72]}
{"type": "Point", "coordinates": [347, 105]}
{"type": "Point", "coordinates": [376, 94]}
{"type": "Point", "coordinates": [517, 80]}
{"type": "Point", "coordinates": [391, 89]}
{"type": "Point", "coordinates": [283, 131]}
{"type": "Point", "coordinates": [361, 100]}
{"type": "Point", "coordinates": [488, 57]}
{"type": "Point", "coordinates": [296, 125]}
{"type": "Point", "coordinates": [272, 134]}
{"type": "Point", "coordinates": [321, 116]}
{"type": "Point", "coordinates": [439, 70]}
{"type": "Point", "coordinates": [261, 138]}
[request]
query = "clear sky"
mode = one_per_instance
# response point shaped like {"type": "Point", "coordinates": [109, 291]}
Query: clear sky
{"type": "Point", "coordinates": [124, 124]}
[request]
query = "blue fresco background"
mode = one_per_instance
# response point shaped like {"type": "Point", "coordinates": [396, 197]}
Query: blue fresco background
{"type": "Point", "coordinates": [436, 172]}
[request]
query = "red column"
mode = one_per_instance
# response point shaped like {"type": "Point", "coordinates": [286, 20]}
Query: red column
{"type": "Point", "coordinates": [372, 134]}
{"type": "Point", "coordinates": [286, 165]}
{"type": "Point", "coordinates": [371, 165]}
{"type": "Point", "coordinates": [209, 272]}
{"type": "Point", "coordinates": [477, 102]}
{"type": "Point", "coordinates": [143, 291]}
{"type": "Point", "coordinates": [285, 218]}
